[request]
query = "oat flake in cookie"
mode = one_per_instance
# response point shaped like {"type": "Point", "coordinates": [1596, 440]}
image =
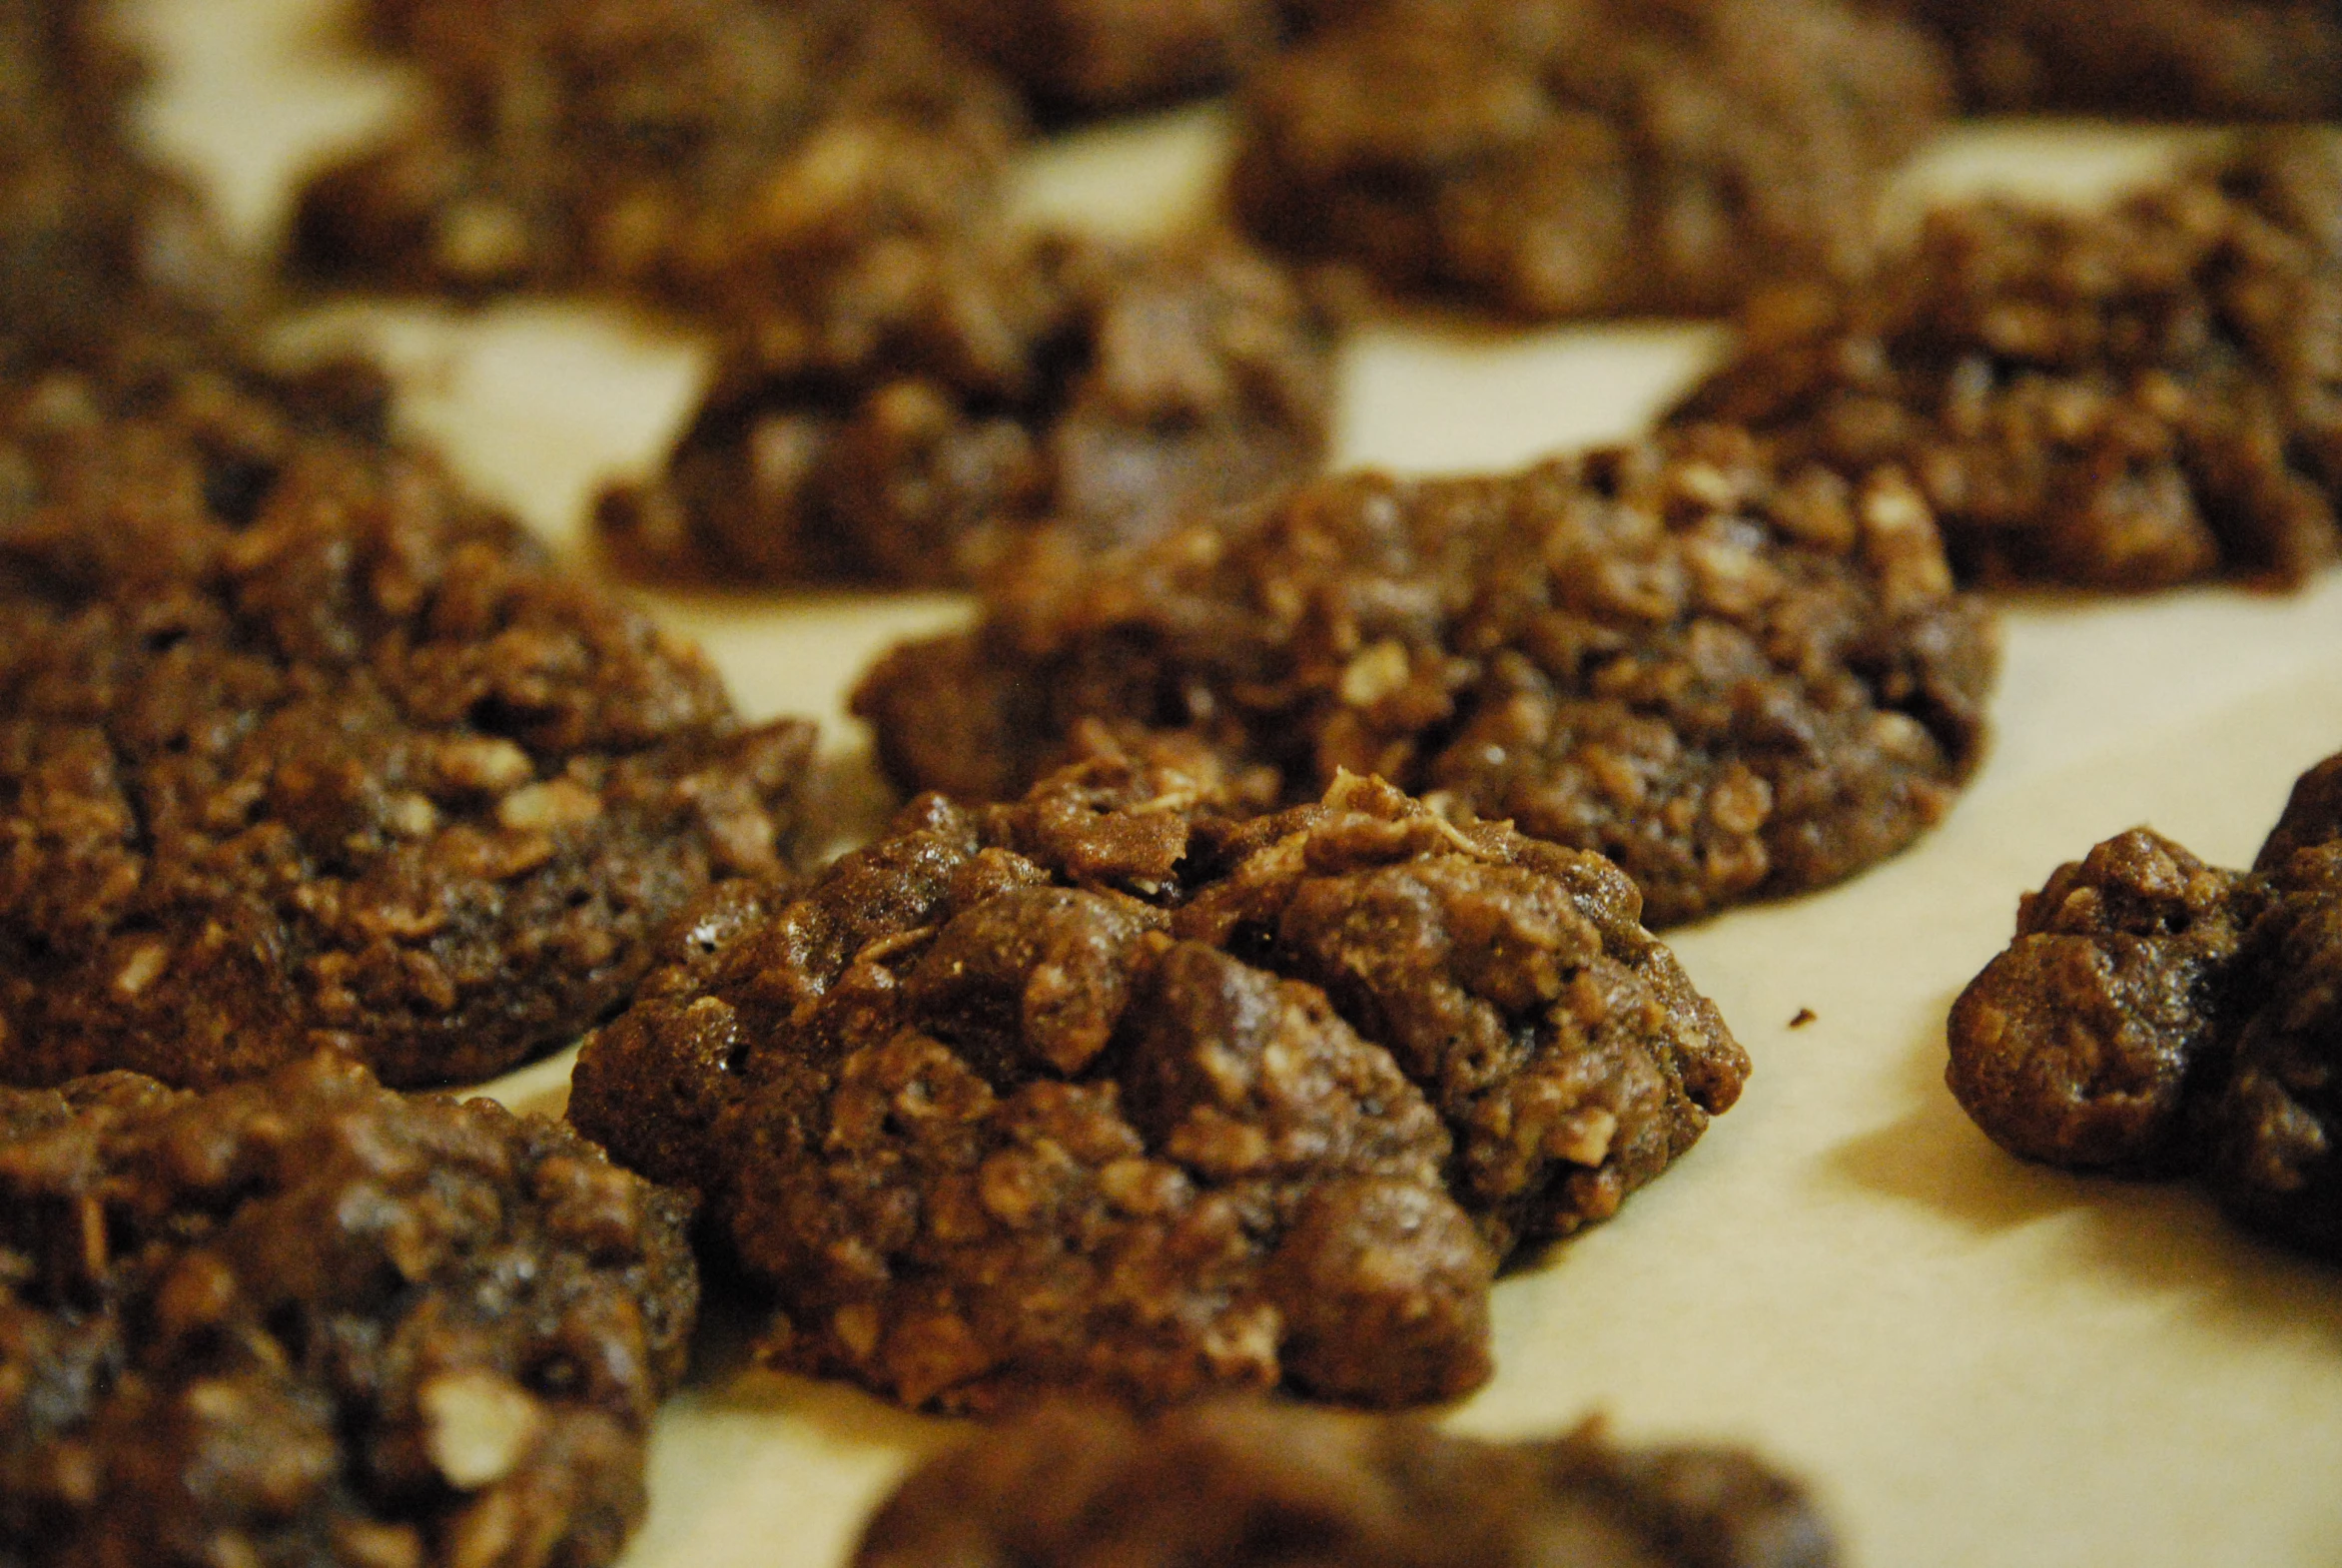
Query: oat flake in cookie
{"type": "Point", "coordinates": [1106, 1090]}
{"type": "Point", "coordinates": [299, 746]}
{"type": "Point", "coordinates": [1581, 157]}
{"type": "Point", "coordinates": [306, 1320]}
{"type": "Point", "coordinates": [688, 148]}
{"type": "Point", "coordinates": [1247, 1484]}
{"type": "Point", "coordinates": [999, 384]}
{"type": "Point", "coordinates": [2119, 399]}
{"type": "Point", "coordinates": [1735, 682]}
{"type": "Point", "coordinates": [2159, 1016]}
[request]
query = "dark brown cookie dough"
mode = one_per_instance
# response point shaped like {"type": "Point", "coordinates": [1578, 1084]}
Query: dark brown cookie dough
{"type": "Point", "coordinates": [1083, 56]}
{"type": "Point", "coordinates": [1247, 1484]}
{"type": "Point", "coordinates": [1578, 157]}
{"type": "Point", "coordinates": [2119, 399]}
{"type": "Point", "coordinates": [301, 746]}
{"type": "Point", "coordinates": [2158, 1016]}
{"type": "Point", "coordinates": [701, 151]}
{"type": "Point", "coordinates": [309, 1320]}
{"type": "Point", "coordinates": [1731, 681]}
{"type": "Point", "coordinates": [2153, 59]}
{"type": "Point", "coordinates": [1107, 1091]}
{"type": "Point", "coordinates": [998, 385]}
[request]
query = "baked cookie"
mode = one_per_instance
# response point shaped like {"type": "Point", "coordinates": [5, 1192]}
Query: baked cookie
{"type": "Point", "coordinates": [1085, 56]}
{"type": "Point", "coordinates": [693, 150]}
{"type": "Point", "coordinates": [301, 746]}
{"type": "Point", "coordinates": [1556, 158]}
{"type": "Point", "coordinates": [1733, 681]}
{"type": "Point", "coordinates": [909, 431]}
{"type": "Point", "coordinates": [1108, 1090]}
{"type": "Point", "coordinates": [306, 1320]}
{"type": "Point", "coordinates": [2156, 59]}
{"type": "Point", "coordinates": [2159, 1016]}
{"type": "Point", "coordinates": [1249, 1484]}
{"type": "Point", "coordinates": [2126, 399]}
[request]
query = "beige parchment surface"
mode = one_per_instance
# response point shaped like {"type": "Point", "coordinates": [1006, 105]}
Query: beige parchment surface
{"type": "Point", "coordinates": [1976, 1362]}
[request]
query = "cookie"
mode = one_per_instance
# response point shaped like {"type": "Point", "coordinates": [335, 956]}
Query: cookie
{"type": "Point", "coordinates": [307, 1320]}
{"type": "Point", "coordinates": [1247, 1484]}
{"type": "Point", "coordinates": [1087, 56]}
{"type": "Point", "coordinates": [2120, 400]}
{"type": "Point", "coordinates": [910, 430]}
{"type": "Point", "coordinates": [301, 746]}
{"type": "Point", "coordinates": [2153, 59]}
{"type": "Point", "coordinates": [1109, 1090]}
{"type": "Point", "coordinates": [687, 150]}
{"type": "Point", "coordinates": [2158, 1016]}
{"type": "Point", "coordinates": [1733, 681]}
{"type": "Point", "coordinates": [1557, 158]}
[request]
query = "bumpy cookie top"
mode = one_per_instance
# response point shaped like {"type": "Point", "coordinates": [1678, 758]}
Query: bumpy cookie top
{"type": "Point", "coordinates": [2124, 399]}
{"type": "Point", "coordinates": [2159, 1015]}
{"type": "Point", "coordinates": [1733, 680]}
{"type": "Point", "coordinates": [1578, 157]}
{"type": "Point", "coordinates": [1245, 1484]}
{"type": "Point", "coordinates": [1089, 55]}
{"type": "Point", "coordinates": [299, 746]}
{"type": "Point", "coordinates": [1104, 1090]}
{"type": "Point", "coordinates": [306, 1320]}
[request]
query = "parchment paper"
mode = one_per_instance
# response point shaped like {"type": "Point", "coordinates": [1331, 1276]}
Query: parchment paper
{"type": "Point", "coordinates": [1976, 1362]}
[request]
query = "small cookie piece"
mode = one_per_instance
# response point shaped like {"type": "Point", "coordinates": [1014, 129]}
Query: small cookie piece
{"type": "Point", "coordinates": [1247, 1484]}
{"type": "Point", "coordinates": [1555, 158]}
{"type": "Point", "coordinates": [2158, 1016]}
{"type": "Point", "coordinates": [1085, 55]}
{"type": "Point", "coordinates": [692, 150]}
{"type": "Point", "coordinates": [301, 746]}
{"type": "Point", "coordinates": [2122, 399]}
{"type": "Point", "coordinates": [998, 385]}
{"type": "Point", "coordinates": [1106, 1090]}
{"type": "Point", "coordinates": [1733, 682]}
{"type": "Point", "coordinates": [2155, 59]}
{"type": "Point", "coordinates": [307, 1320]}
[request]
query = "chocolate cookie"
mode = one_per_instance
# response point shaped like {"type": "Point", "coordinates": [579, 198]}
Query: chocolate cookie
{"type": "Point", "coordinates": [1572, 157]}
{"type": "Point", "coordinates": [1735, 682]}
{"type": "Point", "coordinates": [2156, 59]}
{"type": "Point", "coordinates": [301, 746]}
{"type": "Point", "coordinates": [910, 433]}
{"type": "Point", "coordinates": [1247, 1484]}
{"type": "Point", "coordinates": [2119, 399]}
{"type": "Point", "coordinates": [2158, 1016]}
{"type": "Point", "coordinates": [1108, 1090]}
{"type": "Point", "coordinates": [697, 150]}
{"type": "Point", "coordinates": [309, 1320]}
{"type": "Point", "coordinates": [1083, 56]}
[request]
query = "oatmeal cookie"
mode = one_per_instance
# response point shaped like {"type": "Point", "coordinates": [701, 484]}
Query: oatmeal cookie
{"type": "Point", "coordinates": [2120, 400]}
{"type": "Point", "coordinates": [306, 1320]}
{"type": "Point", "coordinates": [2155, 59]}
{"type": "Point", "coordinates": [1559, 158]}
{"type": "Point", "coordinates": [1733, 681]}
{"type": "Point", "coordinates": [998, 386]}
{"type": "Point", "coordinates": [1084, 55]}
{"type": "Point", "coordinates": [1106, 1089]}
{"type": "Point", "coordinates": [2158, 1016]}
{"type": "Point", "coordinates": [1249, 1484]}
{"type": "Point", "coordinates": [698, 151]}
{"type": "Point", "coordinates": [301, 746]}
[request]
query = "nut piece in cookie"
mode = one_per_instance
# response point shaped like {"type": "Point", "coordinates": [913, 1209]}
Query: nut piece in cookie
{"type": "Point", "coordinates": [1002, 382]}
{"type": "Point", "coordinates": [1107, 1091]}
{"type": "Point", "coordinates": [307, 1320]}
{"type": "Point", "coordinates": [299, 746]}
{"type": "Point", "coordinates": [1733, 681]}
{"type": "Point", "coordinates": [1557, 158]}
{"type": "Point", "coordinates": [2159, 1016]}
{"type": "Point", "coordinates": [1249, 1484]}
{"type": "Point", "coordinates": [672, 148]}
{"type": "Point", "coordinates": [2127, 399]}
